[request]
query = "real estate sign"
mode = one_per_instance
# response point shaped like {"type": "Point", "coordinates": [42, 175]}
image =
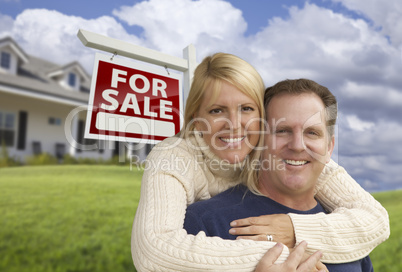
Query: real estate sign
{"type": "Point", "coordinates": [133, 102]}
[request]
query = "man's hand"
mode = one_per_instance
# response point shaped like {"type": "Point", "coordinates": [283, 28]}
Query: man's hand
{"type": "Point", "coordinates": [294, 262]}
{"type": "Point", "coordinates": [319, 266]}
{"type": "Point", "coordinates": [256, 228]}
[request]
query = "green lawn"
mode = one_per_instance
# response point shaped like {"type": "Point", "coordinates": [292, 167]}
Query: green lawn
{"type": "Point", "coordinates": [387, 256]}
{"type": "Point", "coordinates": [79, 218]}
{"type": "Point", "coordinates": [67, 218]}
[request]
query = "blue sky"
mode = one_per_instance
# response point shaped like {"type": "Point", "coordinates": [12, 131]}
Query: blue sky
{"type": "Point", "coordinates": [352, 47]}
{"type": "Point", "coordinates": [256, 12]}
{"type": "Point", "coordinates": [255, 15]}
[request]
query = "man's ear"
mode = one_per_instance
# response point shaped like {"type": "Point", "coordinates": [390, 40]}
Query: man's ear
{"type": "Point", "coordinates": [331, 146]}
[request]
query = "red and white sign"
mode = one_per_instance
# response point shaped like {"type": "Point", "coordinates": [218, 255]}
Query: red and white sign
{"type": "Point", "coordinates": [132, 102]}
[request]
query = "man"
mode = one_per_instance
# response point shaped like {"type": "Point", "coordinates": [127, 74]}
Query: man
{"type": "Point", "coordinates": [300, 137]}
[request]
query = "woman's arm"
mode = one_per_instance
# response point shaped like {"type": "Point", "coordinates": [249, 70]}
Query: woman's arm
{"type": "Point", "coordinates": [356, 225]}
{"type": "Point", "coordinates": [159, 242]}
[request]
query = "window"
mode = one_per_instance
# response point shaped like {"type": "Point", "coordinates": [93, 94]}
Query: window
{"type": "Point", "coordinates": [22, 130]}
{"type": "Point", "coordinates": [72, 78]}
{"type": "Point", "coordinates": [54, 121]}
{"type": "Point", "coordinates": [7, 128]}
{"type": "Point", "coordinates": [80, 137]}
{"type": "Point", "coordinates": [5, 60]}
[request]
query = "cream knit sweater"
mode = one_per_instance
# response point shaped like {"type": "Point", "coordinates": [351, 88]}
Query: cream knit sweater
{"type": "Point", "coordinates": [181, 171]}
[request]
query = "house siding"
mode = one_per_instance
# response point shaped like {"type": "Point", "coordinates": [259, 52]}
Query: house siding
{"type": "Point", "coordinates": [38, 129]}
{"type": "Point", "coordinates": [36, 93]}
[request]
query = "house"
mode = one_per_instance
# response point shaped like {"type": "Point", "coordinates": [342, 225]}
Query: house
{"type": "Point", "coordinates": [43, 109]}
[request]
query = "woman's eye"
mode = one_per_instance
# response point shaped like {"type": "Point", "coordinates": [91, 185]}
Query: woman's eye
{"type": "Point", "coordinates": [247, 109]}
{"type": "Point", "coordinates": [215, 111]}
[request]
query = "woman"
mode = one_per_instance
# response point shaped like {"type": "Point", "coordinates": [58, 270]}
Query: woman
{"type": "Point", "coordinates": [224, 117]}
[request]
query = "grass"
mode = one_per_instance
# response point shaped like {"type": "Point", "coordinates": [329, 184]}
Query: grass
{"type": "Point", "coordinates": [67, 218]}
{"type": "Point", "coordinates": [386, 257]}
{"type": "Point", "coordinates": [78, 219]}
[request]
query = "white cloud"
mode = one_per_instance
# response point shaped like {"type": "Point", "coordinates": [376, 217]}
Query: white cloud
{"type": "Point", "coordinates": [54, 36]}
{"type": "Point", "coordinates": [390, 96]}
{"type": "Point", "coordinates": [6, 23]}
{"type": "Point", "coordinates": [384, 14]}
{"type": "Point", "coordinates": [356, 124]}
{"type": "Point", "coordinates": [384, 137]}
{"type": "Point", "coordinates": [331, 48]}
{"type": "Point", "coordinates": [170, 26]}
{"type": "Point", "coordinates": [370, 185]}
{"type": "Point", "coordinates": [374, 172]}
{"type": "Point", "coordinates": [371, 100]}
{"type": "Point", "coordinates": [372, 154]}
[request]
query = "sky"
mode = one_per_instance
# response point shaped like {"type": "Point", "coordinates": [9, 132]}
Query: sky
{"type": "Point", "coordinates": [353, 47]}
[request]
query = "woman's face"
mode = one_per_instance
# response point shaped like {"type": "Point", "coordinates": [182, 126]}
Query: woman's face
{"type": "Point", "coordinates": [230, 124]}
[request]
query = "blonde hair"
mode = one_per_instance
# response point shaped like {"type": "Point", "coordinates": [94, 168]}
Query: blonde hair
{"type": "Point", "coordinates": [211, 72]}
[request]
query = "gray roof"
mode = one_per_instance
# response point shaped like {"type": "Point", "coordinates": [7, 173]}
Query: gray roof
{"type": "Point", "coordinates": [20, 52]}
{"type": "Point", "coordinates": [33, 76]}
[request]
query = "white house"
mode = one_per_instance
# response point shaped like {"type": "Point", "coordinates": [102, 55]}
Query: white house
{"type": "Point", "coordinates": [41, 109]}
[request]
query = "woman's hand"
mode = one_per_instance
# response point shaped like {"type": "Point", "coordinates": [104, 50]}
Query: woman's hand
{"type": "Point", "coordinates": [257, 228]}
{"type": "Point", "coordinates": [294, 263]}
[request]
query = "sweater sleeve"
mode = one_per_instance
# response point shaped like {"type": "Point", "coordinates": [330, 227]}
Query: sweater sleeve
{"type": "Point", "coordinates": [159, 242]}
{"type": "Point", "coordinates": [356, 225]}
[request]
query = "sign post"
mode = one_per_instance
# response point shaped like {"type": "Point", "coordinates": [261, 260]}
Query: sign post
{"type": "Point", "coordinates": [131, 102]}
{"type": "Point", "coordinates": [187, 64]}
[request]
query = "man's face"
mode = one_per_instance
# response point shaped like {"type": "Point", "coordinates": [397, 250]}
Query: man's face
{"type": "Point", "coordinates": [298, 143]}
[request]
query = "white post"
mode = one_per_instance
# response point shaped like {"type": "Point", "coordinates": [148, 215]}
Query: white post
{"type": "Point", "coordinates": [74, 131]}
{"type": "Point", "coordinates": [190, 56]}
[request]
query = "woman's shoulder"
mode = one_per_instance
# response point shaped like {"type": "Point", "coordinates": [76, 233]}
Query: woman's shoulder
{"type": "Point", "coordinates": [170, 142]}
{"type": "Point", "coordinates": [174, 146]}
{"type": "Point", "coordinates": [178, 158]}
